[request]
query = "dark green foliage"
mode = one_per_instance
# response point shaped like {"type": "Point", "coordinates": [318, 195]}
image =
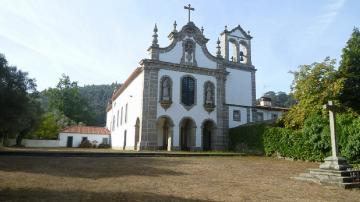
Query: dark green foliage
{"type": "Point", "coordinates": [98, 97]}
{"type": "Point", "coordinates": [247, 138]}
{"type": "Point", "coordinates": [350, 72]}
{"type": "Point", "coordinates": [85, 144]}
{"type": "Point", "coordinates": [50, 125]}
{"type": "Point", "coordinates": [66, 98]}
{"type": "Point", "coordinates": [18, 106]}
{"type": "Point", "coordinates": [310, 143]}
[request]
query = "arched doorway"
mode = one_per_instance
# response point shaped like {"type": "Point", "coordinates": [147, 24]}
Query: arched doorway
{"type": "Point", "coordinates": [137, 131]}
{"type": "Point", "coordinates": [187, 134]}
{"type": "Point", "coordinates": [208, 134]}
{"type": "Point", "coordinates": [164, 133]}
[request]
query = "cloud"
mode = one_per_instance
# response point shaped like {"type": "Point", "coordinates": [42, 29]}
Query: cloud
{"type": "Point", "coordinates": [325, 19]}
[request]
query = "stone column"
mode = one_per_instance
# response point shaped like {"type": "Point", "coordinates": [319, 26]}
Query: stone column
{"type": "Point", "coordinates": [253, 96]}
{"type": "Point", "coordinates": [222, 115]}
{"type": "Point", "coordinates": [150, 94]}
{"type": "Point", "coordinates": [170, 137]}
{"type": "Point", "coordinates": [334, 162]}
{"type": "Point", "coordinates": [198, 142]}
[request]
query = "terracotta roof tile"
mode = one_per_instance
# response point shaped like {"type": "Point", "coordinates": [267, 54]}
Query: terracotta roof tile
{"type": "Point", "coordinates": [86, 130]}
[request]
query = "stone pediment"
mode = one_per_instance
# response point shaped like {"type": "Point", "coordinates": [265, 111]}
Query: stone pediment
{"type": "Point", "coordinates": [189, 31]}
{"type": "Point", "coordinates": [238, 31]}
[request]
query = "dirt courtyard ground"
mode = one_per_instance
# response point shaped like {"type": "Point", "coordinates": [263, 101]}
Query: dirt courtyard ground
{"type": "Point", "coordinates": [161, 179]}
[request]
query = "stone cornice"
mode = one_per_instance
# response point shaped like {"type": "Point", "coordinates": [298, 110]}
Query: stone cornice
{"type": "Point", "coordinates": [156, 64]}
{"type": "Point", "coordinates": [240, 66]}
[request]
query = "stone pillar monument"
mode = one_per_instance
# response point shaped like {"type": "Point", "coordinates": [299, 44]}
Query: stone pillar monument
{"type": "Point", "coordinates": [334, 162]}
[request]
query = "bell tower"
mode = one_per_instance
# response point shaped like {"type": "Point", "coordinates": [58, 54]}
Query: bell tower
{"type": "Point", "coordinates": [236, 45]}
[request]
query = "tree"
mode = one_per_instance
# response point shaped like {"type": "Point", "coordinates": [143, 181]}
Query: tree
{"type": "Point", "coordinates": [350, 72]}
{"type": "Point", "coordinates": [66, 98]}
{"type": "Point", "coordinates": [98, 97]}
{"type": "Point", "coordinates": [50, 125]}
{"type": "Point", "coordinates": [15, 103]}
{"type": "Point", "coordinates": [313, 86]}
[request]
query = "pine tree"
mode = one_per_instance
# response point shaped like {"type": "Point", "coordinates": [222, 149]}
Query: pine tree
{"type": "Point", "coordinates": [350, 72]}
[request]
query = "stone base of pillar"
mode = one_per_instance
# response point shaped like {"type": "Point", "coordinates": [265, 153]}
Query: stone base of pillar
{"type": "Point", "coordinates": [335, 163]}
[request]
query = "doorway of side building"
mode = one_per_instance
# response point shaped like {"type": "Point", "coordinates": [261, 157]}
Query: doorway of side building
{"type": "Point", "coordinates": [208, 134]}
{"type": "Point", "coordinates": [187, 134]}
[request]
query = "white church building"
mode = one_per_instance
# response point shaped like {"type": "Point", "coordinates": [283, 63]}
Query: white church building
{"type": "Point", "coordinates": [183, 97]}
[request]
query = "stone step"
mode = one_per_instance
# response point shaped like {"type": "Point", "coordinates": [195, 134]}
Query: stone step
{"type": "Point", "coordinates": [354, 185]}
{"type": "Point", "coordinates": [329, 172]}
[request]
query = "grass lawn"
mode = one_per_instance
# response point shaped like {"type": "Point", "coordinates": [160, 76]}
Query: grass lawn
{"type": "Point", "coordinates": [161, 179]}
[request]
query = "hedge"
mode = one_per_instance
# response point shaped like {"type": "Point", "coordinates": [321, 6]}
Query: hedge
{"type": "Point", "coordinates": [312, 142]}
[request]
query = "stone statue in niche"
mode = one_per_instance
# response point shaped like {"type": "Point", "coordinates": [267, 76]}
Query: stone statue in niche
{"type": "Point", "coordinates": [166, 89]}
{"type": "Point", "coordinates": [189, 47]}
{"type": "Point", "coordinates": [208, 100]}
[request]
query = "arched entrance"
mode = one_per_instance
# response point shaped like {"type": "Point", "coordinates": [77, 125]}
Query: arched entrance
{"type": "Point", "coordinates": [164, 132]}
{"type": "Point", "coordinates": [137, 131]}
{"type": "Point", "coordinates": [208, 134]}
{"type": "Point", "coordinates": [187, 133]}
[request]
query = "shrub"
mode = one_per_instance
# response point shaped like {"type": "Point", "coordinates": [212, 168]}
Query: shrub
{"type": "Point", "coordinates": [85, 144]}
{"type": "Point", "coordinates": [247, 138]}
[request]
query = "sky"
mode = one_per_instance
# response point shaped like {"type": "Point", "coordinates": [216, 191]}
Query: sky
{"type": "Point", "coordinates": [103, 41]}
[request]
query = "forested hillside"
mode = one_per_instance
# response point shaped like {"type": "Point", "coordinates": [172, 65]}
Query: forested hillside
{"type": "Point", "coordinates": [97, 97]}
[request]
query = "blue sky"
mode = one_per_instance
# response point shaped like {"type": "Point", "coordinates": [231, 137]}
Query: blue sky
{"type": "Point", "coordinates": [102, 41]}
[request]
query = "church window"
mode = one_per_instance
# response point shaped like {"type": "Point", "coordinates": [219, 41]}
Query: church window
{"type": "Point", "coordinates": [121, 117]}
{"type": "Point", "coordinates": [126, 112]}
{"type": "Point", "coordinates": [188, 86]}
{"type": "Point", "coordinates": [117, 118]}
{"type": "Point", "coordinates": [236, 115]}
{"type": "Point", "coordinates": [113, 123]}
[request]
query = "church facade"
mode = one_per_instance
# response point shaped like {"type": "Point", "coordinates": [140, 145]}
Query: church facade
{"type": "Point", "coordinates": [184, 98]}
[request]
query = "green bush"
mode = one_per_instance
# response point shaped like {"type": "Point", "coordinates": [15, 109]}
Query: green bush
{"type": "Point", "coordinates": [312, 142]}
{"type": "Point", "coordinates": [247, 138]}
{"type": "Point", "coordinates": [85, 144]}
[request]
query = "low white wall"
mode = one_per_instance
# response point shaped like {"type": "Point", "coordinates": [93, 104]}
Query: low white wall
{"type": "Point", "coordinates": [36, 143]}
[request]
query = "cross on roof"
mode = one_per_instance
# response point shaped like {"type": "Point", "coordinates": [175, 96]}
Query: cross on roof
{"type": "Point", "coordinates": [190, 9]}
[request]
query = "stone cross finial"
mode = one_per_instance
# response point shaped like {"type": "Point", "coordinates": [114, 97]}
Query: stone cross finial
{"type": "Point", "coordinates": [190, 9]}
{"type": "Point", "coordinates": [175, 26]}
{"type": "Point", "coordinates": [218, 52]}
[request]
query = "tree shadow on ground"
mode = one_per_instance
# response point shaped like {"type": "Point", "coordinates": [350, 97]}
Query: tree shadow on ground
{"type": "Point", "coordinates": [90, 167]}
{"type": "Point", "coordinates": [37, 195]}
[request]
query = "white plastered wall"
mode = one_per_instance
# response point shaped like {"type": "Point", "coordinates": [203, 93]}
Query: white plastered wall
{"type": "Point", "coordinates": [77, 138]}
{"type": "Point", "coordinates": [133, 97]}
{"type": "Point", "coordinates": [238, 87]}
{"type": "Point", "coordinates": [243, 116]}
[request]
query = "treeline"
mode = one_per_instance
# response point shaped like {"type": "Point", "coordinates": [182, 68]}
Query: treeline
{"type": "Point", "coordinates": [303, 132]}
{"type": "Point", "coordinates": [25, 112]}
{"type": "Point", "coordinates": [279, 99]}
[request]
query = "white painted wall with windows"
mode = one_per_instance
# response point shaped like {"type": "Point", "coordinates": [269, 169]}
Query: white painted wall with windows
{"type": "Point", "coordinates": [126, 108]}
